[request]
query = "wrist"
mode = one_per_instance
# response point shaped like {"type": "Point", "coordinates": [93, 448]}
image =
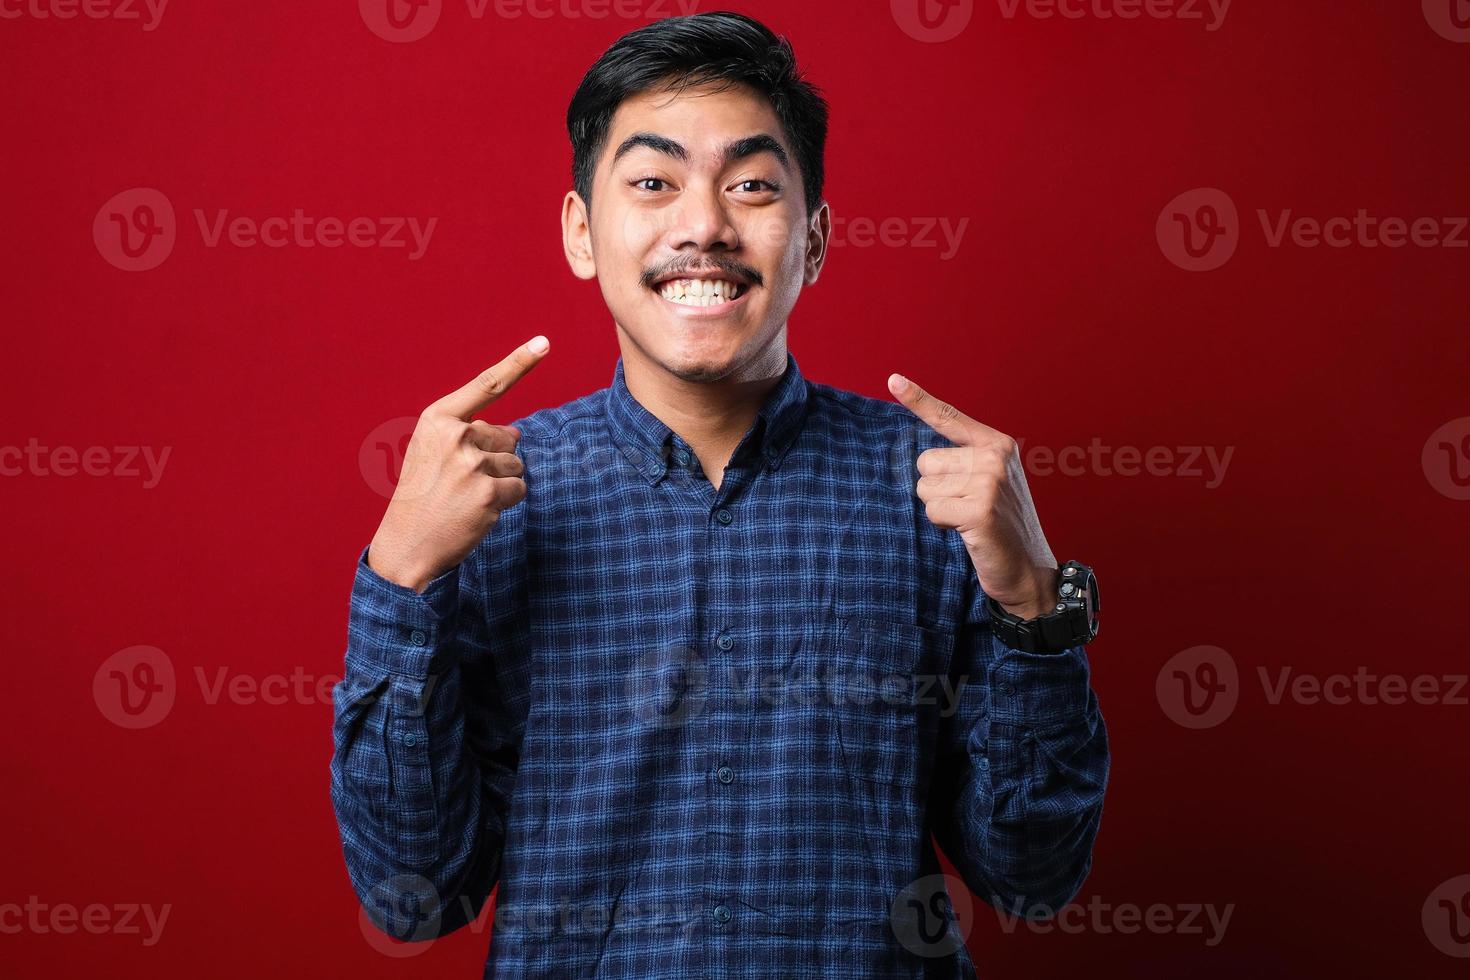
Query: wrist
{"type": "Point", "coordinates": [386, 568]}
{"type": "Point", "coordinates": [1043, 598]}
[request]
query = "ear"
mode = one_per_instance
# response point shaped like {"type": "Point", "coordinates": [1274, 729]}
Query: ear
{"type": "Point", "coordinates": [818, 236]}
{"type": "Point", "coordinates": [576, 236]}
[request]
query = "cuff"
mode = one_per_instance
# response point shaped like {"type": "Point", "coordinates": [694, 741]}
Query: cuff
{"type": "Point", "coordinates": [1039, 690]}
{"type": "Point", "coordinates": [396, 629]}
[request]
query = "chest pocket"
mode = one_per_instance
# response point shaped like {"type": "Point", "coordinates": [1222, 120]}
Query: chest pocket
{"type": "Point", "coordinates": [885, 698]}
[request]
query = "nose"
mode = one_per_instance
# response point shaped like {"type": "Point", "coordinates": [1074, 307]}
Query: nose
{"type": "Point", "coordinates": [700, 219]}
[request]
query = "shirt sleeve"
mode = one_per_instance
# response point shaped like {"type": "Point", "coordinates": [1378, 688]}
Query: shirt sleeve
{"type": "Point", "coordinates": [1022, 769]}
{"type": "Point", "coordinates": [426, 738]}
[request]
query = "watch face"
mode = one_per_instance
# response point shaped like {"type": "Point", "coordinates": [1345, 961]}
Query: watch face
{"type": "Point", "coordinates": [1091, 600]}
{"type": "Point", "coordinates": [1086, 584]}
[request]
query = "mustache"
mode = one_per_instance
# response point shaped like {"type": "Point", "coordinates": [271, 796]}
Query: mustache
{"type": "Point", "coordinates": [727, 265]}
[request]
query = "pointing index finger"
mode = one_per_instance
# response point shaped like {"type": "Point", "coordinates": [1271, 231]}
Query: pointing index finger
{"type": "Point", "coordinates": [493, 382]}
{"type": "Point", "coordinates": [940, 416]}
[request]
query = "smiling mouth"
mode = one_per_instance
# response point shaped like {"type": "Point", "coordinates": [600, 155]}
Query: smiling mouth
{"type": "Point", "coordinates": [701, 292]}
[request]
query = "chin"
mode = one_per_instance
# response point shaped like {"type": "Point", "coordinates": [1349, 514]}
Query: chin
{"type": "Point", "coordinates": [709, 357]}
{"type": "Point", "coordinates": [698, 367]}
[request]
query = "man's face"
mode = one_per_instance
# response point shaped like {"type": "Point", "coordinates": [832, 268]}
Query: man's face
{"type": "Point", "coordinates": [699, 235]}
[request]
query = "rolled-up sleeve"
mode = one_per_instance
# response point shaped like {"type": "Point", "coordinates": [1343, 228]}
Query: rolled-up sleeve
{"type": "Point", "coordinates": [425, 746]}
{"type": "Point", "coordinates": [1022, 770]}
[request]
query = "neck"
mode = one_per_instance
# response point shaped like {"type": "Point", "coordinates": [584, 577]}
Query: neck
{"type": "Point", "coordinates": [712, 416]}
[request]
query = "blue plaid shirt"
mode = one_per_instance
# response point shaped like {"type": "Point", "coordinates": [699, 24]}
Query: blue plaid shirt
{"type": "Point", "coordinates": [710, 733]}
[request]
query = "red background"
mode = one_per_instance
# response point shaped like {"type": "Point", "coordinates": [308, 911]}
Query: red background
{"type": "Point", "coordinates": [1324, 549]}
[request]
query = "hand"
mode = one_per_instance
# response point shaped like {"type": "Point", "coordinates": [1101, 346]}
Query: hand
{"type": "Point", "coordinates": [459, 473]}
{"type": "Point", "coordinates": [978, 488]}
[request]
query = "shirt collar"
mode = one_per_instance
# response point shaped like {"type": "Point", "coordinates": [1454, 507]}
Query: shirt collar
{"type": "Point", "coordinates": [645, 440]}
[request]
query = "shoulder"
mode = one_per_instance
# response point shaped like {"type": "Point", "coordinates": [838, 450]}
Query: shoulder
{"type": "Point", "coordinates": [549, 423]}
{"type": "Point", "coordinates": [849, 414]}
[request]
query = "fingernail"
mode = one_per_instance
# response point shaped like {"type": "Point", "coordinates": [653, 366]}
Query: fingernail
{"type": "Point", "coordinates": [537, 344]}
{"type": "Point", "coordinates": [900, 383]}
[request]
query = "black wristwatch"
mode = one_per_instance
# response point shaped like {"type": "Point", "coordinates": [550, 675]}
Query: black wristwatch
{"type": "Point", "coordinates": [1072, 621]}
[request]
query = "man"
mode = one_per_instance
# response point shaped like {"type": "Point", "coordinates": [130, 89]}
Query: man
{"type": "Point", "coordinates": [694, 665]}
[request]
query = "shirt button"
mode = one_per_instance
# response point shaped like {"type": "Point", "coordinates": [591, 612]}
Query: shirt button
{"type": "Point", "coordinates": [725, 642]}
{"type": "Point", "coordinates": [681, 457]}
{"type": "Point", "coordinates": [1007, 689]}
{"type": "Point", "coordinates": [410, 740]}
{"type": "Point", "coordinates": [722, 914]}
{"type": "Point", "coordinates": [724, 516]}
{"type": "Point", "coordinates": [725, 774]}
{"type": "Point", "coordinates": [417, 638]}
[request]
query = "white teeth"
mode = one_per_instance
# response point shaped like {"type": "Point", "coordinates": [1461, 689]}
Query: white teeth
{"type": "Point", "coordinates": [699, 292]}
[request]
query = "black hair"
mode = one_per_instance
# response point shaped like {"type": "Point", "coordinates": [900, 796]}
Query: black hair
{"type": "Point", "coordinates": [719, 47]}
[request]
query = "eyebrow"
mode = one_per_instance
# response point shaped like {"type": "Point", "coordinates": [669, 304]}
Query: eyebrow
{"type": "Point", "coordinates": [734, 150]}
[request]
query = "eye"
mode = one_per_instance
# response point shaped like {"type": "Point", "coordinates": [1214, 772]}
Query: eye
{"type": "Point", "coordinates": [745, 185]}
{"type": "Point", "coordinates": [649, 180]}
